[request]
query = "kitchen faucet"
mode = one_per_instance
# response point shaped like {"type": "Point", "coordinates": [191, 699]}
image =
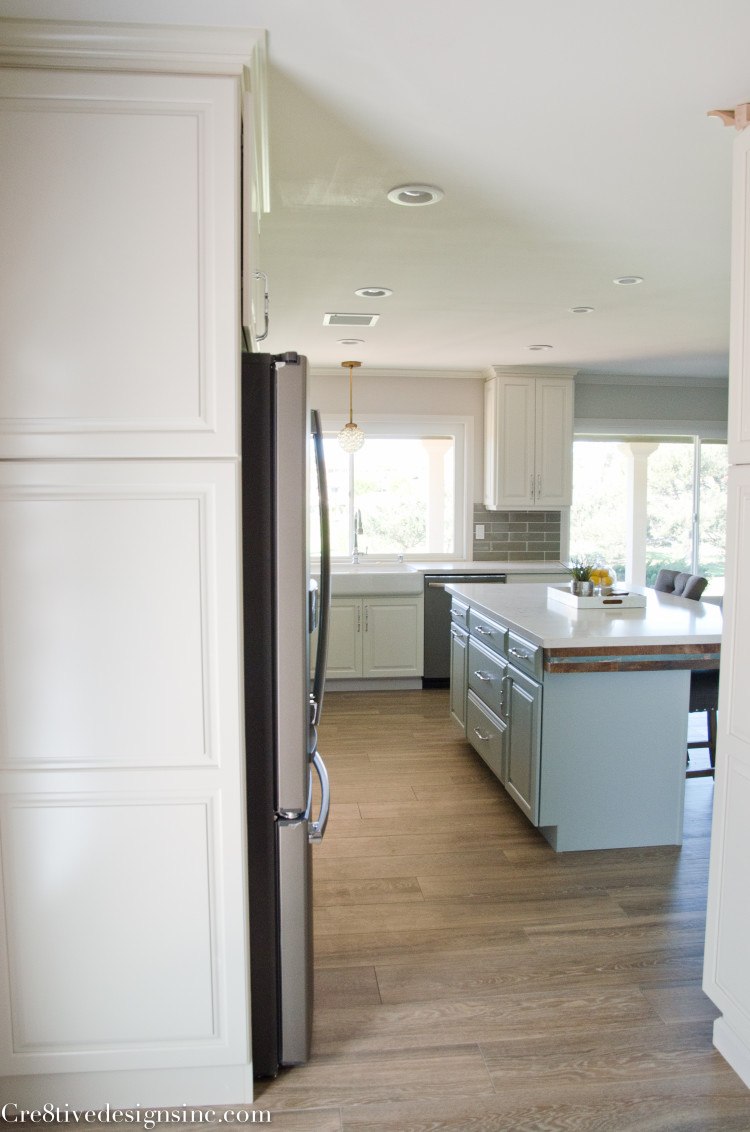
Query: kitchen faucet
{"type": "Point", "coordinates": [358, 530]}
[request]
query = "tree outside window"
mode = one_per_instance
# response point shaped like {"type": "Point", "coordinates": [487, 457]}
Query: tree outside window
{"type": "Point", "coordinates": [404, 490]}
{"type": "Point", "coordinates": [679, 505]}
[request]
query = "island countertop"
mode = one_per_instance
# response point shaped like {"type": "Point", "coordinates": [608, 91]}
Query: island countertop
{"type": "Point", "coordinates": [582, 713]}
{"type": "Point", "coordinates": [666, 623]}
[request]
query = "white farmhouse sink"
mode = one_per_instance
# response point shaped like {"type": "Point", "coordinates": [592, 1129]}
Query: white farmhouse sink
{"type": "Point", "coordinates": [375, 578]}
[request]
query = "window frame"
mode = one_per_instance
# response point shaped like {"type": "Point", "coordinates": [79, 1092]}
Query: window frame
{"type": "Point", "coordinates": [659, 432]}
{"type": "Point", "coordinates": [386, 425]}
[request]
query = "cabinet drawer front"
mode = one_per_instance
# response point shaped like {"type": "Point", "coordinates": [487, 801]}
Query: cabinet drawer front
{"type": "Point", "coordinates": [486, 676]}
{"type": "Point", "coordinates": [459, 613]}
{"type": "Point", "coordinates": [492, 635]}
{"type": "Point", "coordinates": [525, 656]}
{"type": "Point", "coordinates": [486, 733]}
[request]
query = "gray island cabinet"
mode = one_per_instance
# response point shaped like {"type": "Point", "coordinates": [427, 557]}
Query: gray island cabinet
{"type": "Point", "coordinates": [582, 714]}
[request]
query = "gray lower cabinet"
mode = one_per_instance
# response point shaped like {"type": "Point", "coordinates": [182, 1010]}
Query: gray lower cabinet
{"type": "Point", "coordinates": [459, 653]}
{"type": "Point", "coordinates": [524, 698]}
{"type": "Point", "coordinates": [491, 674]}
{"type": "Point", "coordinates": [487, 734]}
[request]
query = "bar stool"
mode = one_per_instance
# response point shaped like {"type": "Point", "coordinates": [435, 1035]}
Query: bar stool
{"type": "Point", "coordinates": [704, 683]}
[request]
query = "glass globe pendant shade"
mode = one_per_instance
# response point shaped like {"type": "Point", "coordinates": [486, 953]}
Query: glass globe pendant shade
{"type": "Point", "coordinates": [351, 438]}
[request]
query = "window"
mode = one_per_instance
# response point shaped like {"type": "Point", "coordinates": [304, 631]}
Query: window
{"type": "Point", "coordinates": [405, 487]}
{"type": "Point", "coordinates": [643, 503]}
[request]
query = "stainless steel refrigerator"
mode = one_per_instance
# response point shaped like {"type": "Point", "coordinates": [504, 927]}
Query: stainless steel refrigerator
{"type": "Point", "coordinates": [282, 447]}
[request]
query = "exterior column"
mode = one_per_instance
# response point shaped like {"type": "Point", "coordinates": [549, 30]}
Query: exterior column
{"type": "Point", "coordinates": [436, 448]}
{"type": "Point", "coordinates": [637, 454]}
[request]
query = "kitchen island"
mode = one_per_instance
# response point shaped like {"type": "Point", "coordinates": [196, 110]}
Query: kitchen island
{"type": "Point", "coordinates": [582, 713]}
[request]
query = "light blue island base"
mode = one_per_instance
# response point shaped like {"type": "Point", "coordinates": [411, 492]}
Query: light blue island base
{"type": "Point", "coordinates": [614, 749]}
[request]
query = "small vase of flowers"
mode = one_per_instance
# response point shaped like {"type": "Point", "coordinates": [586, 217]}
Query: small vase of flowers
{"type": "Point", "coordinates": [581, 583]}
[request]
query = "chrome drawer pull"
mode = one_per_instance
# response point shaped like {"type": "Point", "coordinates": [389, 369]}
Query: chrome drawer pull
{"type": "Point", "coordinates": [482, 675]}
{"type": "Point", "coordinates": [480, 736]}
{"type": "Point", "coordinates": [519, 654]}
{"type": "Point", "coordinates": [482, 631]}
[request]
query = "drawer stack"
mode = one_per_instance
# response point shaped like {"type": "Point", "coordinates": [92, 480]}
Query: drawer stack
{"type": "Point", "coordinates": [496, 696]}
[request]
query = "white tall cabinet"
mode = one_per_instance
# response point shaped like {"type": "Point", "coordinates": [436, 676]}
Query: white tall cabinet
{"type": "Point", "coordinates": [727, 955]}
{"type": "Point", "coordinates": [528, 439]}
{"type": "Point", "coordinates": [124, 956]}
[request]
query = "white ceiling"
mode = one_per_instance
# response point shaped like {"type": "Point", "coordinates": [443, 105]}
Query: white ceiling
{"type": "Point", "coordinates": [572, 143]}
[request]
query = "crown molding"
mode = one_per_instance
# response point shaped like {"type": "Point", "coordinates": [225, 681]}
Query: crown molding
{"type": "Point", "coordinates": [166, 48]}
{"type": "Point", "coordinates": [130, 47]}
{"type": "Point", "coordinates": [529, 371]}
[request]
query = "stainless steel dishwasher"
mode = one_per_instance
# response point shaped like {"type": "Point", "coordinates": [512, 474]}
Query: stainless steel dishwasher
{"type": "Point", "coordinates": [437, 623]}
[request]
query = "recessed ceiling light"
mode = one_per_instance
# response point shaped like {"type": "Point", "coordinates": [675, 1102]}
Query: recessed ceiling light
{"type": "Point", "coordinates": [415, 194]}
{"type": "Point", "coordinates": [539, 346]}
{"type": "Point", "coordinates": [351, 341]}
{"type": "Point", "coordinates": [628, 280]}
{"type": "Point", "coordinates": [374, 292]}
{"type": "Point", "coordinates": [580, 310]}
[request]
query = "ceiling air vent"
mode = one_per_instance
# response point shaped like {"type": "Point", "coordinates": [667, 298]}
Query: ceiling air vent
{"type": "Point", "coordinates": [350, 319]}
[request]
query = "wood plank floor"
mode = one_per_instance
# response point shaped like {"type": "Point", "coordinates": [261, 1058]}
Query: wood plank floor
{"type": "Point", "coordinates": [470, 979]}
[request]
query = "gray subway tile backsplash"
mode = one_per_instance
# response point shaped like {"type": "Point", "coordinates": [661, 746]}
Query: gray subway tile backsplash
{"type": "Point", "coordinates": [517, 536]}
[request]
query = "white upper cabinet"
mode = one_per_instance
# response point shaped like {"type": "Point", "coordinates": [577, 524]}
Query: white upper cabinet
{"type": "Point", "coordinates": [120, 226]}
{"type": "Point", "coordinates": [528, 440]}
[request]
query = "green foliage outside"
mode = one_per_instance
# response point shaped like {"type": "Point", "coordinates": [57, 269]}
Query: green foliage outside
{"type": "Point", "coordinates": [599, 513]}
{"type": "Point", "coordinates": [394, 516]}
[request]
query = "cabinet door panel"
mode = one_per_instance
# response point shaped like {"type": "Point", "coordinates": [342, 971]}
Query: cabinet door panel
{"type": "Point", "coordinates": [554, 441]}
{"type": "Point", "coordinates": [728, 925]}
{"type": "Point", "coordinates": [393, 638]}
{"type": "Point", "coordinates": [516, 428]}
{"type": "Point", "coordinates": [345, 638]}
{"type": "Point", "coordinates": [739, 353]}
{"type": "Point", "coordinates": [459, 652]}
{"type": "Point", "coordinates": [120, 767]}
{"type": "Point", "coordinates": [119, 228]}
{"type": "Point", "coordinates": [524, 743]}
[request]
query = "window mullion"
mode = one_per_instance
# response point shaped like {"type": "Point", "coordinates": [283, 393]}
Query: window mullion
{"type": "Point", "coordinates": [352, 507]}
{"type": "Point", "coordinates": [696, 503]}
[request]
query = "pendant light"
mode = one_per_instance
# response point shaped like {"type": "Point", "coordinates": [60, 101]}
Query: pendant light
{"type": "Point", "coordinates": [351, 438]}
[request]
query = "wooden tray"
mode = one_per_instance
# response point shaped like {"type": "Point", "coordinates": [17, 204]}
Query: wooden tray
{"type": "Point", "coordinates": [616, 600]}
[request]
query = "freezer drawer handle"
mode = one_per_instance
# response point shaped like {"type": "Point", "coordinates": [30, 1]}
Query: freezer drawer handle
{"type": "Point", "coordinates": [481, 737]}
{"type": "Point", "coordinates": [318, 828]}
{"type": "Point", "coordinates": [482, 675]}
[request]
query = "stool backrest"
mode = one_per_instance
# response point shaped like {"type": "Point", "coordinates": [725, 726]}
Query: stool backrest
{"type": "Point", "coordinates": [680, 584]}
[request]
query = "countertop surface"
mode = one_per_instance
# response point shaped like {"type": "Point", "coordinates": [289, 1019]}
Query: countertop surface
{"type": "Point", "coordinates": [666, 620]}
{"type": "Point", "coordinates": [453, 567]}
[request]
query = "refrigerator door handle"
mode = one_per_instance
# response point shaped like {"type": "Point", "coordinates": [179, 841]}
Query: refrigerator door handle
{"type": "Point", "coordinates": [318, 828]}
{"type": "Point", "coordinates": [262, 337]}
{"type": "Point", "coordinates": [324, 597]}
